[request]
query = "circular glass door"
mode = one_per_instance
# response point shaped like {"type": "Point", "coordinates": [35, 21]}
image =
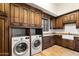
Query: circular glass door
{"type": "Point", "coordinates": [36, 44]}
{"type": "Point", "coordinates": [21, 48]}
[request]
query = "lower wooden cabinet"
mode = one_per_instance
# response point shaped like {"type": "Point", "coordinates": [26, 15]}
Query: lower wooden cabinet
{"type": "Point", "coordinates": [58, 39]}
{"type": "Point", "coordinates": [76, 43]}
{"type": "Point", "coordinates": [68, 43]}
{"type": "Point", "coordinates": [48, 41]}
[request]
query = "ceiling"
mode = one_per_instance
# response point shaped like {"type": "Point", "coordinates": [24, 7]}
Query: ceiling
{"type": "Point", "coordinates": [56, 9]}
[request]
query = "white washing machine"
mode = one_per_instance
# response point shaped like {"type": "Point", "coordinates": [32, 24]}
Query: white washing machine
{"type": "Point", "coordinates": [21, 46]}
{"type": "Point", "coordinates": [36, 44]}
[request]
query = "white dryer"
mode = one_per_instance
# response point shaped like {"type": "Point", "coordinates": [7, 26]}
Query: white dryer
{"type": "Point", "coordinates": [36, 44]}
{"type": "Point", "coordinates": [21, 46]}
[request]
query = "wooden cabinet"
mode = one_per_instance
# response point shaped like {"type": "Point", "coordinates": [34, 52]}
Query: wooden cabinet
{"type": "Point", "coordinates": [70, 18]}
{"type": "Point", "coordinates": [32, 17]}
{"type": "Point", "coordinates": [19, 15]}
{"type": "Point", "coordinates": [4, 49]}
{"type": "Point", "coordinates": [38, 19]}
{"type": "Point", "coordinates": [58, 39]}
{"type": "Point", "coordinates": [73, 17]}
{"type": "Point", "coordinates": [2, 5]}
{"type": "Point", "coordinates": [48, 41]}
{"type": "Point", "coordinates": [76, 43]}
{"type": "Point", "coordinates": [59, 23]}
{"type": "Point", "coordinates": [77, 20]}
{"type": "Point", "coordinates": [35, 18]}
{"type": "Point", "coordinates": [65, 18]}
{"type": "Point", "coordinates": [15, 14]}
{"type": "Point", "coordinates": [71, 44]}
{"type": "Point", "coordinates": [2, 37]}
{"type": "Point", "coordinates": [52, 23]}
{"type": "Point", "coordinates": [26, 17]}
{"type": "Point", "coordinates": [52, 40]}
{"type": "Point", "coordinates": [65, 43]}
{"type": "Point", "coordinates": [68, 43]}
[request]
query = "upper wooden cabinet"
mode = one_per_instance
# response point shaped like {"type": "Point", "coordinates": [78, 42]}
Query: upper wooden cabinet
{"type": "Point", "coordinates": [15, 14]}
{"type": "Point", "coordinates": [35, 18]}
{"type": "Point", "coordinates": [25, 16]}
{"type": "Point", "coordinates": [67, 18]}
{"type": "Point", "coordinates": [52, 23]}
{"type": "Point", "coordinates": [59, 23]}
{"type": "Point", "coordinates": [56, 23]}
{"type": "Point", "coordinates": [38, 19]}
{"type": "Point", "coordinates": [77, 20]}
{"type": "Point", "coordinates": [32, 17]}
{"type": "Point", "coordinates": [2, 7]}
{"type": "Point", "coordinates": [70, 18]}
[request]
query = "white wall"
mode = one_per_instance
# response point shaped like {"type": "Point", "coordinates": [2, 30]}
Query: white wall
{"type": "Point", "coordinates": [71, 28]}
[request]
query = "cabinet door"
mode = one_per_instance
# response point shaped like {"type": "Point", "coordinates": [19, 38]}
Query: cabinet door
{"type": "Point", "coordinates": [32, 17]}
{"type": "Point", "coordinates": [52, 23]}
{"type": "Point", "coordinates": [12, 13]}
{"type": "Point", "coordinates": [2, 37]}
{"type": "Point", "coordinates": [2, 7]}
{"type": "Point", "coordinates": [65, 43]}
{"type": "Point", "coordinates": [66, 18]}
{"type": "Point", "coordinates": [77, 20]}
{"type": "Point", "coordinates": [52, 41]}
{"type": "Point", "coordinates": [59, 23]}
{"type": "Point", "coordinates": [46, 42]}
{"type": "Point", "coordinates": [71, 44]}
{"type": "Point", "coordinates": [38, 19]}
{"type": "Point", "coordinates": [77, 43]}
{"type": "Point", "coordinates": [73, 17]}
{"type": "Point", "coordinates": [21, 16]}
{"type": "Point", "coordinates": [58, 40]}
{"type": "Point", "coordinates": [15, 14]}
{"type": "Point", "coordinates": [26, 17]}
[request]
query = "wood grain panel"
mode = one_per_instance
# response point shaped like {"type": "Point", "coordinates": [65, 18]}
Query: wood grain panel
{"type": "Point", "coordinates": [2, 37]}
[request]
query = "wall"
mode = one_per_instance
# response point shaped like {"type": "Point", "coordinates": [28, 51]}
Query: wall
{"type": "Point", "coordinates": [67, 28]}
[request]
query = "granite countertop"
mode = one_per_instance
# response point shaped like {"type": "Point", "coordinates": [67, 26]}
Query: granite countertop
{"type": "Point", "coordinates": [61, 34]}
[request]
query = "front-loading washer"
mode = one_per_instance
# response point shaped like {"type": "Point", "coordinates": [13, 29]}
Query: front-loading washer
{"type": "Point", "coordinates": [36, 44]}
{"type": "Point", "coordinates": [21, 46]}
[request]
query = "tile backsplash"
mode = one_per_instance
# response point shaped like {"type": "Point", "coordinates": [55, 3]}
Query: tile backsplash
{"type": "Point", "coordinates": [68, 28]}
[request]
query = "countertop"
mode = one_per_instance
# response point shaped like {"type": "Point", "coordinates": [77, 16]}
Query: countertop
{"type": "Point", "coordinates": [48, 34]}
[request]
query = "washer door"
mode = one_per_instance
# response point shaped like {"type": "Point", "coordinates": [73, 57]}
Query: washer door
{"type": "Point", "coordinates": [36, 44]}
{"type": "Point", "coordinates": [20, 48]}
